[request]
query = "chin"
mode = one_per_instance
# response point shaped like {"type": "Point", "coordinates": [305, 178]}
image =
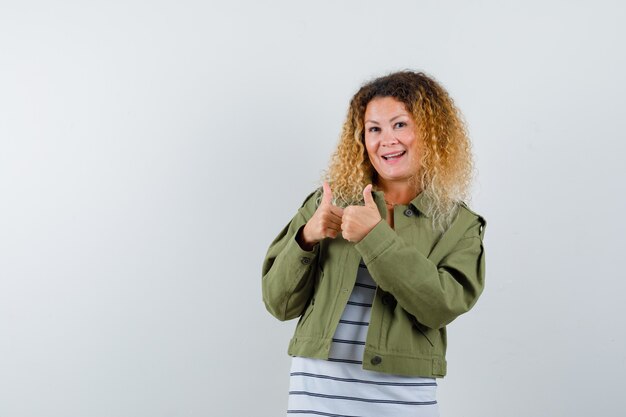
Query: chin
{"type": "Point", "coordinates": [395, 176]}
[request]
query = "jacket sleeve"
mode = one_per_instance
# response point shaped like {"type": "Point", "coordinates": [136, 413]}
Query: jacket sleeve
{"type": "Point", "coordinates": [434, 292]}
{"type": "Point", "coordinates": [288, 270]}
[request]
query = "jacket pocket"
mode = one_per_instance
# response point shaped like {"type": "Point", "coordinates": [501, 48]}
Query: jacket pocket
{"type": "Point", "coordinates": [307, 313]}
{"type": "Point", "coordinates": [310, 307]}
{"type": "Point", "coordinates": [422, 329]}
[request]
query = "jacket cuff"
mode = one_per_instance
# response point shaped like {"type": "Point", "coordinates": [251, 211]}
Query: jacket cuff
{"type": "Point", "coordinates": [376, 241]}
{"type": "Point", "coordinates": [295, 255]}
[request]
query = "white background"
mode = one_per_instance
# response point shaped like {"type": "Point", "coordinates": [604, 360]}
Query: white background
{"type": "Point", "coordinates": [151, 150]}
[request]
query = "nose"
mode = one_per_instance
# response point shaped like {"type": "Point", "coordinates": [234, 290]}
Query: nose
{"type": "Point", "coordinates": [388, 139]}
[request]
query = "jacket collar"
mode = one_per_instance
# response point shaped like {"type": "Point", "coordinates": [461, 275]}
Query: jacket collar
{"type": "Point", "coordinates": [420, 202]}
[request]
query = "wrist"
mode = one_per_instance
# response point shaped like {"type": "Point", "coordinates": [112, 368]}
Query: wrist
{"type": "Point", "coordinates": [305, 244]}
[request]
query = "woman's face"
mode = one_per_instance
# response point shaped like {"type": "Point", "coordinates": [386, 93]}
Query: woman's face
{"type": "Point", "coordinates": [391, 140]}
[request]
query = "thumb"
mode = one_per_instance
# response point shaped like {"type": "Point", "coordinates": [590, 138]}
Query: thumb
{"type": "Point", "coordinates": [367, 196]}
{"type": "Point", "coordinates": [327, 197]}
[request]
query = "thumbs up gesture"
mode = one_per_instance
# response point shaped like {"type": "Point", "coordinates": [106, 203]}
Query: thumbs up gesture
{"type": "Point", "coordinates": [325, 222]}
{"type": "Point", "coordinates": [357, 221]}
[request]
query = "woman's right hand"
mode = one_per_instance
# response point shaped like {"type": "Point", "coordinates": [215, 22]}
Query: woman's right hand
{"type": "Point", "coordinates": [325, 222]}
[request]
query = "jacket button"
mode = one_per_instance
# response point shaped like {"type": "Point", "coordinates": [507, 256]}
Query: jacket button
{"type": "Point", "coordinates": [376, 360]}
{"type": "Point", "coordinates": [305, 261]}
{"type": "Point", "coordinates": [408, 212]}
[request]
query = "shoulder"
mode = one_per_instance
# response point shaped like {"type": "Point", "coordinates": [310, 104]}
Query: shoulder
{"type": "Point", "coordinates": [310, 203]}
{"type": "Point", "coordinates": [475, 223]}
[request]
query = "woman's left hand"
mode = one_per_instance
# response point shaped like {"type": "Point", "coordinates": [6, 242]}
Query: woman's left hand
{"type": "Point", "coordinates": [357, 221]}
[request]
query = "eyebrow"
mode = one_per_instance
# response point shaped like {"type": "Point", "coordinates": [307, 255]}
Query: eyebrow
{"type": "Point", "coordinates": [391, 120]}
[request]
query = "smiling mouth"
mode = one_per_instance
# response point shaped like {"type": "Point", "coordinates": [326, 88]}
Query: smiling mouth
{"type": "Point", "coordinates": [393, 155]}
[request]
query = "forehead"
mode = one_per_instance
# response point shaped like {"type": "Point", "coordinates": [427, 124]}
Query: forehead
{"type": "Point", "coordinates": [384, 107]}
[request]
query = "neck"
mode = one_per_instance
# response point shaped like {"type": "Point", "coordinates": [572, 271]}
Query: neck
{"type": "Point", "coordinates": [398, 192]}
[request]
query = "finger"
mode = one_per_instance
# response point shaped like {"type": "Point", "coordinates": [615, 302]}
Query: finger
{"type": "Point", "coordinates": [334, 222]}
{"type": "Point", "coordinates": [344, 226]}
{"type": "Point", "coordinates": [327, 197]}
{"type": "Point", "coordinates": [331, 230]}
{"type": "Point", "coordinates": [332, 214]}
{"type": "Point", "coordinates": [331, 217]}
{"type": "Point", "coordinates": [336, 211]}
{"type": "Point", "coordinates": [335, 227]}
{"type": "Point", "coordinates": [328, 220]}
{"type": "Point", "coordinates": [367, 196]}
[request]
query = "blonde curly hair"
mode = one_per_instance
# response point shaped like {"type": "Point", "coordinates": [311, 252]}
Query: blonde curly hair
{"type": "Point", "coordinates": [447, 168]}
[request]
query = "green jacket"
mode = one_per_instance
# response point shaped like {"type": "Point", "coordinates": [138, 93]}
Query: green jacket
{"type": "Point", "coordinates": [425, 280]}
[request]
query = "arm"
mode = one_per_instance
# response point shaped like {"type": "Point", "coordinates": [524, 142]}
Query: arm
{"type": "Point", "coordinates": [436, 289]}
{"type": "Point", "coordinates": [288, 269]}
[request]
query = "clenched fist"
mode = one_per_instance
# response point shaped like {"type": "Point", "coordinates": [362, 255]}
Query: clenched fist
{"type": "Point", "coordinates": [357, 221]}
{"type": "Point", "coordinates": [326, 222]}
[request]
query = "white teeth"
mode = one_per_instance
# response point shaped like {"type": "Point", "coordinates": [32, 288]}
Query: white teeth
{"type": "Point", "coordinates": [393, 155]}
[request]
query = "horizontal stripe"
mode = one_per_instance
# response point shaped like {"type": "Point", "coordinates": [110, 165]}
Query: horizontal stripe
{"type": "Point", "coordinates": [346, 351]}
{"type": "Point", "coordinates": [317, 413]}
{"type": "Point", "coordinates": [352, 303]}
{"type": "Point", "coordinates": [361, 381]}
{"type": "Point", "coordinates": [371, 287]}
{"type": "Point", "coordinates": [350, 342]}
{"type": "Point", "coordinates": [355, 323]}
{"type": "Point", "coordinates": [362, 295]}
{"type": "Point", "coordinates": [345, 361]}
{"type": "Point", "coordinates": [366, 400]}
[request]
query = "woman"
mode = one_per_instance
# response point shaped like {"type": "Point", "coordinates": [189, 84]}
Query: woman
{"type": "Point", "coordinates": [382, 258]}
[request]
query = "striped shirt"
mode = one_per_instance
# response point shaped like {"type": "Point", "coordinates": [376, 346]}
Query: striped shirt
{"type": "Point", "coordinates": [340, 387]}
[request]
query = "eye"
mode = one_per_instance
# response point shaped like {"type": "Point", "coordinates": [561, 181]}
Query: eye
{"type": "Point", "coordinates": [373, 129]}
{"type": "Point", "coordinates": [400, 125]}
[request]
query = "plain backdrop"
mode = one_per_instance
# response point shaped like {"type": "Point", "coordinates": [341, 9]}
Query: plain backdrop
{"type": "Point", "coordinates": [151, 150]}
